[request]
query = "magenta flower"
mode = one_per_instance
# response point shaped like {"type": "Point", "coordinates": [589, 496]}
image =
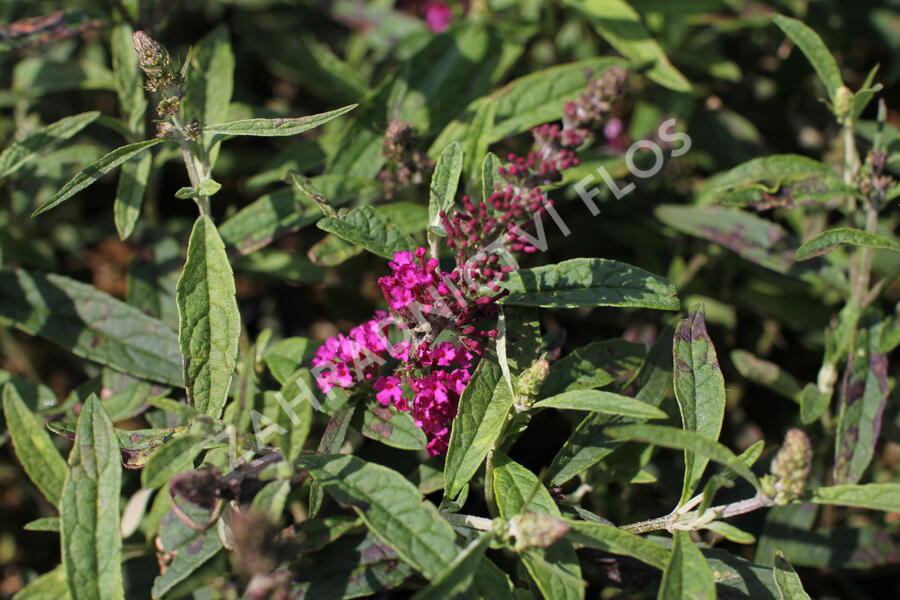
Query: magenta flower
{"type": "Point", "coordinates": [437, 15]}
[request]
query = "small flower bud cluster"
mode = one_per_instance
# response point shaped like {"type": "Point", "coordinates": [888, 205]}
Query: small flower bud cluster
{"type": "Point", "coordinates": [528, 385]}
{"type": "Point", "coordinates": [154, 62]}
{"type": "Point", "coordinates": [790, 469]}
{"type": "Point", "coordinates": [873, 181]}
{"type": "Point", "coordinates": [536, 530]}
{"type": "Point", "coordinates": [594, 107]}
{"type": "Point", "coordinates": [405, 164]}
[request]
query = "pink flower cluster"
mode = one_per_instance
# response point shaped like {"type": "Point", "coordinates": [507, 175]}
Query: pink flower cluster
{"type": "Point", "coordinates": [345, 360]}
{"type": "Point", "coordinates": [553, 153]}
{"type": "Point", "coordinates": [424, 298]}
{"type": "Point", "coordinates": [435, 397]}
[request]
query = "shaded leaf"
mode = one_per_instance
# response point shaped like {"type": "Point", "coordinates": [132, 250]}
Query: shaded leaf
{"type": "Point", "coordinates": [444, 181]}
{"type": "Point", "coordinates": [173, 457]}
{"type": "Point", "coordinates": [789, 585]}
{"type": "Point", "coordinates": [877, 496]}
{"type": "Point", "coordinates": [129, 81]}
{"type": "Point", "coordinates": [671, 437]}
{"type": "Point", "coordinates": [191, 548]}
{"type": "Point", "coordinates": [392, 427]}
{"type": "Point", "coordinates": [766, 174]}
{"type": "Point", "coordinates": [210, 82]}
{"type": "Point", "coordinates": [457, 577]}
{"type": "Point", "coordinates": [589, 282]}
{"type": "Point", "coordinates": [621, 26]}
{"type": "Point", "coordinates": [90, 324]}
{"type": "Point", "coordinates": [34, 448]}
{"type": "Point", "coordinates": [20, 153]}
{"type": "Point", "coordinates": [617, 541]}
{"type": "Point", "coordinates": [283, 356]}
{"type": "Point", "coordinates": [687, 575]}
{"type": "Point", "coordinates": [49, 586]}
{"type": "Point", "coordinates": [130, 194]}
{"type": "Point", "coordinates": [90, 174]}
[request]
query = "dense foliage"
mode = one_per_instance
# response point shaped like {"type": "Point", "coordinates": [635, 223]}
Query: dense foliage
{"type": "Point", "coordinates": [435, 299]}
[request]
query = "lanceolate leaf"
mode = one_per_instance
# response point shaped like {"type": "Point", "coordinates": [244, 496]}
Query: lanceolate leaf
{"type": "Point", "coordinates": [491, 180]}
{"type": "Point", "coordinates": [596, 365]}
{"type": "Point", "coordinates": [864, 393]}
{"type": "Point", "coordinates": [602, 402]}
{"type": "Point", "coordinates": [617, 541]}
{"type": "Point", "coordinates": [390, 506]}
{"type": "Point", "coordinates": [699, 389]}
{"type": "Point", "coordinates": [671, 437]}
{"type": "Point", "coordinates": [877, 496]}
{"type": "Point", "coordinates": [555, 569]}
{"type": "Point", "coordinates": [33, 446]}
{"type": "Point", "coordinates": [621, 26]}
{"type": "Point", "coordinates": [480, 418]}
{"type": "Point", "coordinates": [366, 227]}
{"type": "Point", "coordinates": [130, 193]}
{"type": "Point", "coordinates": [89, 509]}
{"type": "Point", "coordinates": [191, 548]}
{"type": "Point", "coordinates": [20, 153]}
{"type": "Point", "coordinates": [49, 586]}
{"type": "Point", "coordinates": [590, 282]}
{"type": "Point", "coordinates": [392, 428]}
{"type": "Point", "coordinates": [90, 324]}
{"type": "Point", "coordinates": [457, 578]}
{"type": "Point", "coordinates": [788, 582]}
{"type": "Point", "coordinates": [687, 576]}
{"type": "Point", "coordinates": [766, 173]}
{"type": "Point", "coordinates": [276, 127]}
{"type": "Point", "coordinates": [210, 81]}
{"type": "Point", "coordinates": [172, 458]}
{"type": "Point", "coordinates": [814, 49]}
{"type": "Point", "coordinates": [90, 174]}
{"type": "Point", "coordinates": [827, 241]}
{"type": "Point", "coordinates": [444, 181]}
{"type": "Point", "coordinates": [209, 321]}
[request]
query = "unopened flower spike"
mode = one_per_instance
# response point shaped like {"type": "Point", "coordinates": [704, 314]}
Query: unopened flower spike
{"type": "Point", "coordinates": [790, 469]}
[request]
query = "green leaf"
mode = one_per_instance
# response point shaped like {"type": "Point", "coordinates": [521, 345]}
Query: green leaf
{"type": "Point", "coordinates": [730, 532]}
{"type": "Point", "coordinates": [277, 127]}
{"type": "Point", "coordinates": [816, 53]}
{"type": "Point", "coordinates": [456, 579]}
{"type": "Point", "coordinates": [788, 582]}
{"type": "Point", "coordinates": [191, 549]}
{"type": "Point", "coordinates": [617, 541]}
{"type": "Point", "coordinates": [89, 509]}
{"type": "Point", "coordinates": [602, 402]}
{"type": "Point", "coordinates": [766, 373]}
{"type": "Point", "coordinates": [391, 507]}
{"type": "Point", "coordinates": [43, 524]}
{"type": "Point", "coordinates": [91, 324]}
{"type": "Point", "coordinates": [392, 427]}
{"type": "Point", "coordinates": [588, 444]}
{"type": "Point", "coordinates": [210, 324]}
{"type": "Point", "coordinates": [480, 418]}
{"type": "Point", "coordinates": [90, 174]}
{"type": "Point", "coordinates": [365, 227]}
{"type": "Point", "coordinates": [491, 181]}
{"type": "Point", "coordinates": [294, 413]}
{"type": "Point", "coordinates": [699, 389]}
{"type": "Point", "coordinates": [757, 240]}
{"type": "Point", "coordinates": [283, 356]}
{"type": "Point", "coordinates": [621, 26]}
{"type": "Point", "coordinates": [877, 496]}
{"type": "Point", "coordinates": [864, 395]}
{"type": "Point", "coordinates": [130, 194]}
{"type": "Point", "coordinates": [132, 97]}
{"type": "Point", "coordinates": [827, 241]}
{"type": "Point", "coordinates": [20, 153]}
{"type": "Point", "coordinates": [478, 139]}
{"type": "Point", "coordinates": [539, 97]}
{"type": "Point", "coordinates": [444, 181]}
{"type": "Point", "coordinates": [671, 437]}
{"type": "Point", "coordinates": [332, 439]}
{"type": "Point", "coordinates": [210, 82]}
{"type": "Point", "coordinates": [34, 448]}
{"type": "Point", "coordinates": [687, 576]}
{"type": "Point", "coordinates": [596, 365]}
{"type": "Point", "coordinates": [590, 282]}
{"type": "Point", "coordinates": [767, 173]}
{"type": "Point", "coordinates": [49, 586]}
{"type": "Point", "coordinates": [555, 569]}
{"type": "Point", "coordinates": [174, 457]}
{"type": "Point", "coordinates": [207, 187]}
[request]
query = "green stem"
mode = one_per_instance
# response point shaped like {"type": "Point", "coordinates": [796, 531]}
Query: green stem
{"type": "Point", "coordinates": [690, 521]}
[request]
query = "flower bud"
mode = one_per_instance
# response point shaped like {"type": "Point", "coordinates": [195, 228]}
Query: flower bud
{"type": "Point", "coordinates": [536, 530]}
{"type": "Point", "coordinates": [790, 469]}
{"type": "Point", "coordinates": [168, 107]}
{"type": "Point", "coordinates": [528, 385]}
{"type": "Point", "coordinates": [154, 62]}
{"type": "Point", "coordinates": [843, 103]}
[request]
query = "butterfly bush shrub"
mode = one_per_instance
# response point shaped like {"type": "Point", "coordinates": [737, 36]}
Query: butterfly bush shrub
{"type": "Point", "coordinates": [568, 325]}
